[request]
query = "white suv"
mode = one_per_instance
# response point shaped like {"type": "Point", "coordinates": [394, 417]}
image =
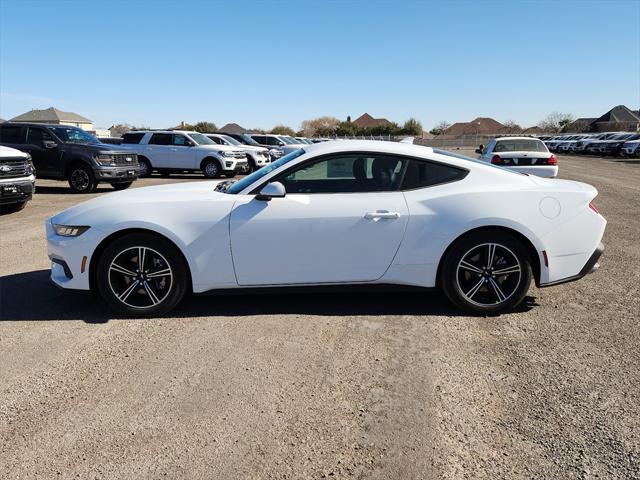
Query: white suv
{"type": "Point", "coordinates": [178, 151]}
{"type": "Point", "coordinates": [258, 157]}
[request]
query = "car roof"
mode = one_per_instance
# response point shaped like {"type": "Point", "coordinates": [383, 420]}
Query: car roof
{"type": "Point", "coordinates": [516, 138]}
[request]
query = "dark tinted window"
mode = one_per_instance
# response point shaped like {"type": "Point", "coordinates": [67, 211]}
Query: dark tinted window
{"type": "Point", "coordinates": [345, 174]}
{"type": "Point", "coordinates": [217, 140]}
{"type": "Point", "coordinates": [36, 136]}
{"type": "Point", "coordinates": [425, 174]}
{"type": "Point", "coordinates": [258, 138]}
{"type": "Point", "coordinates": [12, 134]}
{"type": "Point", "coordinates": [132, 138]}
{"type": "Point", "coordinates": [160, 139]}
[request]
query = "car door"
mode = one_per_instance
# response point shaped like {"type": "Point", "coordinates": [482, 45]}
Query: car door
{"type": "Point", "coordinates": [44, 151]}
{"type": "Point", "coordinates": [157, 150]}
{"type": "Point", "coordinates": [342, 220]}
{"type": "Point", "coordinates": [181, 153]}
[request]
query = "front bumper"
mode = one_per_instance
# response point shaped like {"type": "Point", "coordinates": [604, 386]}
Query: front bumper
{"type": "Point", "coordinates": [117, 174]}
{"type": "Point", "coordinates": [591, 266]}
{"type": "Point", "coordinates": [14, 190]}
{"type": "Point", "coordinates": [236, 167]}
{"type": "Point", "coordinates": [67, 254]}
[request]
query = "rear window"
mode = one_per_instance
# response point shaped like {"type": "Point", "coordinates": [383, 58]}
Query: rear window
{"type": "Point", "coordinates": [12, 134]}
{"type": "Point", "coordinates": [132, 138]}
{"type": "Point", "coordinates": [525, 145]}
{"type": "Point", "coordinates": [422, 174]}
{"type": "Point", "coordinates": [161, 139]}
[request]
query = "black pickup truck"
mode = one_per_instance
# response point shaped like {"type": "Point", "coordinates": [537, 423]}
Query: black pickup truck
{"type": "Point", "coordinates": [62, 152]}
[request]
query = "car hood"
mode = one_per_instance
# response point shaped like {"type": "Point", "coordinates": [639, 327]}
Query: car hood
{"type": "Point", "coordinates": [98, 147]}
{"type": "Point", "coordinates": [135, 203]}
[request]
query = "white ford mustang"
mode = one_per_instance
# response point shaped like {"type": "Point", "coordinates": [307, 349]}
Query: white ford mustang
{"type": "Point", "coordinates": [333, 213]}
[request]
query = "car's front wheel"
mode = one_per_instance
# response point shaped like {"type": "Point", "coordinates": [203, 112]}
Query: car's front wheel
{"type": "Point", "coordinates": [211, 168]}
{"type": "Point", "coordinates": [486, 272]}
{"type": "Point", "coordinates": [142, 275]}
{"type": "Point", "coordinates": [81, 178]}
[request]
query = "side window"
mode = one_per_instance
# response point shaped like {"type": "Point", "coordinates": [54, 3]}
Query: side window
{"type": "Point", "coordinates": [180, 140]}
{"type": "Point", "coordinates": [420, 174]}
{"type": "Point", "coordinates": [132, 138]}
{"type": "Point", "coordinates": [160, 139]}
{"type": "Point", "coordinates": [12, 134]}
{"type": "Point", "coordinates": [274, 141]}
{"type": "Point", "coordinates": [259, 138]}
{"type": "Point", "coordinates": [345, 174]}
{"type": "Point", "coordinates": [34, 136]}
{"type": "Point", "coordinates": [217, 140]}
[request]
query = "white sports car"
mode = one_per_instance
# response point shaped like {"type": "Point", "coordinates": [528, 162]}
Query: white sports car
{"type": "Point", "coordinates": [333, 213]}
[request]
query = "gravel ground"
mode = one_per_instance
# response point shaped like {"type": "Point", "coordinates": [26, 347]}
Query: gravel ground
{"type": "Point", "coordinates": [356, 385]}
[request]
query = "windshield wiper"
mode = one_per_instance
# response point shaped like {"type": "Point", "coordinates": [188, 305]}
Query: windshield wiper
{"type": "Point", "coordinates": [224, 186]}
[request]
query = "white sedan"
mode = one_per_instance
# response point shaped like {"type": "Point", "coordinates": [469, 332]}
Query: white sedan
{"type": "Point", "coordinates": [522, 154]}
{"type": "Point", "coordinates": [333, 213]}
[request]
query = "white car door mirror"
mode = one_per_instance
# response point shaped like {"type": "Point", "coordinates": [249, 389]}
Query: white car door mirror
{"type": "Point", "coordinates": [271, 190]}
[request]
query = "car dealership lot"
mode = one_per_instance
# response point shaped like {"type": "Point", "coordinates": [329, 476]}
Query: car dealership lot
{"type": "Point", "coordinates": [370, 385]}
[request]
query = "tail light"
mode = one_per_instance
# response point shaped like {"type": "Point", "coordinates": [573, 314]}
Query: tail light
{"type": "Point", "coordinates": [496, 160]}
{"type": "Point", "coordinates": [552, 160]}
{"type": "Point", "coordinates": [593, 207]}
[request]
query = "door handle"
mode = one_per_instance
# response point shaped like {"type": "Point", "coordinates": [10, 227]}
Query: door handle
{"type": "Point", "coordinates": [381, 214]}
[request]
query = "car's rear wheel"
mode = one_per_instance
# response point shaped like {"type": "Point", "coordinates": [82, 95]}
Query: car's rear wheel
{"type": "Point", "coordinates": [487, 272]}
{"type": "Point", "coordinates": [81, 178]}
{"type": "Point", "coordinates": [144, 167]}
{"type": "Point", "coordinates": [142, 275]}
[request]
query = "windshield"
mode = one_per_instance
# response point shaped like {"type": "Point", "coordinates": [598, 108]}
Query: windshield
{"type": "Point", "coordinates": [201, 139]}
{"type": "Point", "coordinates": [74, 135]}
{"type": "Point", "coordinates": [240, 185]}
{"type": "Point", "coordinates": [524, 145]}
{"type": "Point", "coordinates": [229, 139]}
{"type": "Point", "coordinates": [284, 139]}
{"type": "Point", "coordinates": [247, 140]}
{"type": "Point", "coordinates": [292, 140]}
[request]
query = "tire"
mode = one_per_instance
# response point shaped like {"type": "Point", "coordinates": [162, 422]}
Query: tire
{"type": "Point", "coordinates": [144, 168]}
{"type": "Point", "coordinates": [13, 207]}
{"type": "Point", "coordinates": [211, 168]}
{"type": "Point", "coordinates": [474, 286]}
{"type": "Point", "coordinates": [121, 186]}
{"type": "Point", "coordinates": [118, 270]}
{"type": "Point", "coordinates": [81, 178]}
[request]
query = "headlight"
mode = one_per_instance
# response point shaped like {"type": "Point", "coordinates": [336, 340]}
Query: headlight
{"type": "Point", "coordinates": [226, 154]}
{"type": "Point", "coordinates": [105, 160]}
{"type": "Point", "coordinates": [69, 230]}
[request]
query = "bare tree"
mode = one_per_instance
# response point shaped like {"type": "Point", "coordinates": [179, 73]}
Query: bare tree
{"type": "Point", "coordinates": [555, 121]}
{"type": "Point", "coordinates": [440, 128]}
{"type": "Point", "coordinates": [510, 126]}
{"type": "Point", "coordinates": [319, 126]}
{"type": "Point", "coordinates": [120, 129]}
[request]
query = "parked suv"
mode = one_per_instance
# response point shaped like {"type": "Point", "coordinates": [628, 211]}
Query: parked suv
{"type": "Point", "coordinates": [17, 179]}
{"type": "Point", "coordinates": [62, 152]}
{"type": "Point", "coordinates": [174, 151]}
{"type": "Point", "coordinates": [283, 142]}
{"type": "Point", "coordinates": [257, 157]}
{"type": "Point", "coordinates": [245, 139]}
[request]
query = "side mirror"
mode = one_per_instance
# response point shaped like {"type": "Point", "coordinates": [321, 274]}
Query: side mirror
{"type": "Point", "coordinates": [49, 144]}
{"type": "Point", "coordinates": [271, 190]}
{"type": "Point", "coordinates": [281, 144]}
{"type": "Point", "coordinates": [190, 143]}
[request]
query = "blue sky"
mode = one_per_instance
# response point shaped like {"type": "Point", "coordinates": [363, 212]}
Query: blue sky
{"type": "Point", "coordinates": [260, 63]}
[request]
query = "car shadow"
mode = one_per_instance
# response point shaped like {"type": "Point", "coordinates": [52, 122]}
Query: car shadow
{"type": "Point", "coordinates": [30, 296]}
{"type": "Point", "coordinates": [49, 190]}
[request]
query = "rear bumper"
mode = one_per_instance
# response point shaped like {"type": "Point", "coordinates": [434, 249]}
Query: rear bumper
{"type": "Point", "coordinates": [591, 266]}
{"type": "Point", "coordinates": [546, 171]}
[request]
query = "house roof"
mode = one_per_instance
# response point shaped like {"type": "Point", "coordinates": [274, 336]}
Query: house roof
{"type": "Point", "coordinates": [579, 125]}
{"type": "Point", "coordinates": [367, 121]}
{"type": "Point", "coordinates": [50, 115]}
{"type": "Point", "coordinates": [619, 114]}
{"type": "Point", "coordinates": [480, 125]}
{"type": "Point", "coordinates": [533, 130]}
{"type": "Point", "coordinates": [233, 128]}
